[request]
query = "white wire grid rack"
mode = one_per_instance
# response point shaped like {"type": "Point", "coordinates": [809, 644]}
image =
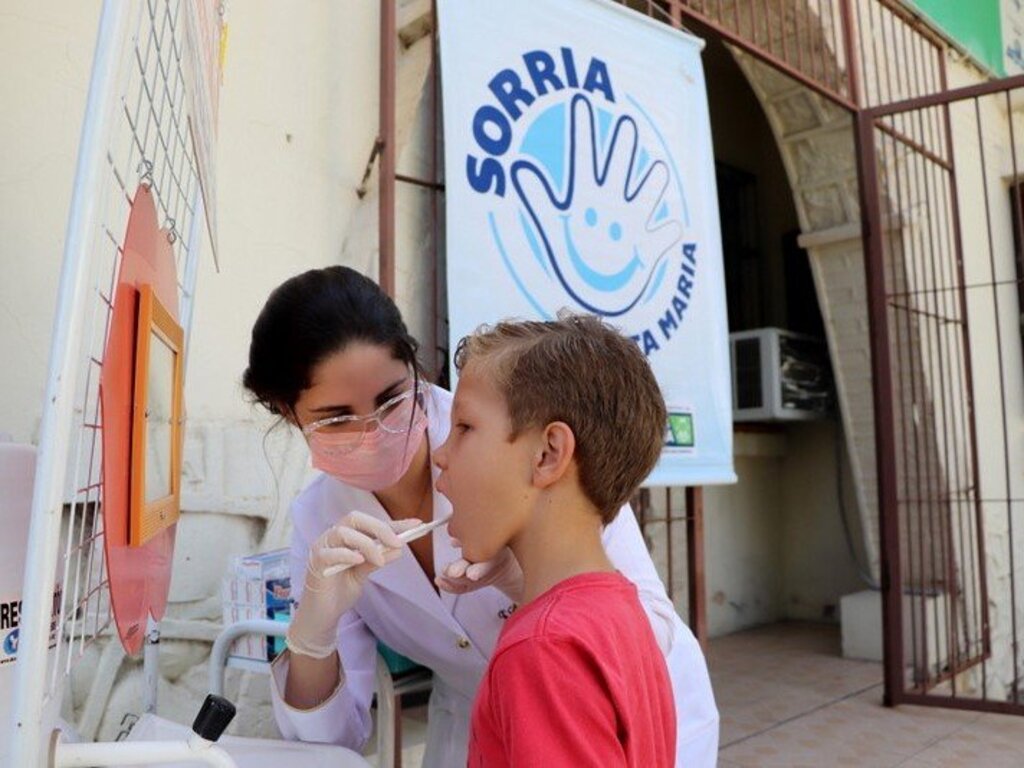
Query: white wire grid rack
{"type": "Point", "coordinates": [136, 129]}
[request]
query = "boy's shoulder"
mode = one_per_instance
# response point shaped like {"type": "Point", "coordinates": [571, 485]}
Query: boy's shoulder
{"type": "Point", "coordinates": [581, 610]}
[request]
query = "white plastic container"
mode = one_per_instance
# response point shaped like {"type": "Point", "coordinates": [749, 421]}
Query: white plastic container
{"type": "Point", "coordinates": [17, 474]}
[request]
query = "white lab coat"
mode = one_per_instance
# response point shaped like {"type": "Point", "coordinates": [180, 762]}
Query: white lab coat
{"type": "Point", "coordinates": [454, 635]}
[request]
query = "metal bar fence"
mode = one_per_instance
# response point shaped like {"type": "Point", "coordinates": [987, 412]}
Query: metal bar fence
{"type": "Point", "coordinates": [939, 218]}
{"type": "Point", "coordinates": [135, 130]}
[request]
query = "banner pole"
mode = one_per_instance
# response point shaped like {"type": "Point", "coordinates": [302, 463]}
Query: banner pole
{"type": "Point", "coordinates": [695, 565]}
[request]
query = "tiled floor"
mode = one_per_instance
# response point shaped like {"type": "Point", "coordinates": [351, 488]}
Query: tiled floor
{"type": "Point", "coordinates": [787, 698]}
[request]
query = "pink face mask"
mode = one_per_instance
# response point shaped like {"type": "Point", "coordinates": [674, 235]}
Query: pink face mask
{"type": "Point", "coordinates": [376, 459]}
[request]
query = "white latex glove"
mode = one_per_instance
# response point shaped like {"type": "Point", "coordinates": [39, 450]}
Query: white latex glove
{"type": "Point", "coordinates": [502, 571]}
{"type": "Point", "coordinates": [359, 540]}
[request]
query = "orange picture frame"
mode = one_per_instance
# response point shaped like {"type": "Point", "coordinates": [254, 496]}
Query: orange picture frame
{"type": "Point", "coordinates": [157, 420]}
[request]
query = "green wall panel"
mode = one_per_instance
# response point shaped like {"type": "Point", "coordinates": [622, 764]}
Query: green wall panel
{"type": "Point", "coordinates": [975, 24]}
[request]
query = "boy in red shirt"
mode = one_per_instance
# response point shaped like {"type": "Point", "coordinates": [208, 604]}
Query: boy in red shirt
{"type": "Point", "coordinates": [554, 426]}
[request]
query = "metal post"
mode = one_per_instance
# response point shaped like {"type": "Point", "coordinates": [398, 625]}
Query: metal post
{"type": "Point", "coordinates": [888, 510]}
{"type": "Point", "coordinates": [695, 564]}
{"type": "Point", "coordinates": [386, 217]}
{"type": "Point", "coordinates": [151, 666]}
{"type": "Point", "coordinates": [850, 49]}
{"type": "Point", "coordinates": [436, 359]}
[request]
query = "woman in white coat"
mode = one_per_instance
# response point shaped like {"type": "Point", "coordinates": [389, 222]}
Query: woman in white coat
{"type": "Point", "coordinates": [331, 355]}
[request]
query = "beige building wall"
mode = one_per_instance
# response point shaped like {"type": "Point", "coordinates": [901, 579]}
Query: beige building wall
{"type": "Point", "coordinates": [1001, 470]}
{"type": "Point", "coordinates": [298, 121]}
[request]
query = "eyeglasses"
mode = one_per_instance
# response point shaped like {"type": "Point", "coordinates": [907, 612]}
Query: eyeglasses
{"type": "Point", "coordinates": [393, 417]}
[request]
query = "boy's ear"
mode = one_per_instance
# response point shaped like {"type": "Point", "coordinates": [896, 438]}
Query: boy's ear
{"type": "Point", "coordinates": [555, 454]}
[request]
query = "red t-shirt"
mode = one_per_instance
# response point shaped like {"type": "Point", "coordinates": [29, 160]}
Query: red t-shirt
{"type": "Point", "coordinates": [577, 679]}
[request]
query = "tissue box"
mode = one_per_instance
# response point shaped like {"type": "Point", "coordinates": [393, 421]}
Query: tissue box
{"type": "Point", "coordinates": [258, 587]}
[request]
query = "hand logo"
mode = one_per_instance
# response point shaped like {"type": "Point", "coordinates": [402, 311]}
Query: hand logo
{"type": "Point", "coordinates": [605, 239]}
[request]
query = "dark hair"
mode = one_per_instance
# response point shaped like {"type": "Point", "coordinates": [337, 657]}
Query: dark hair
{"type": "Point", "coordinates": [583, 372]}
{"type": "Point", "coordinates": [310, 317]}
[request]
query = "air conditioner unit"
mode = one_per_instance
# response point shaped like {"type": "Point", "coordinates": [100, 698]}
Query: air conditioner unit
{"type": "Point", "coordinates": [779, 376]}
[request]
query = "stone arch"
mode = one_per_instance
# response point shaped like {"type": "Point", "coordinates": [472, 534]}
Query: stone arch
{"type": "Point", "coordinates": [815, 139]}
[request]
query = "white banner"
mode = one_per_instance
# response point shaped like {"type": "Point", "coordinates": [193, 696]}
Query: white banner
{"type": "Point", "coordinates": [579, 173]}
{"type": "Point", "coordinates": [204, 47]}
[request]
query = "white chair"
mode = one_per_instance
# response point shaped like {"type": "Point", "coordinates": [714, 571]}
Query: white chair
{"type": "Point", "coordinates": [390, 688]}
{"type": "Point", "coordinates": [251, 753]}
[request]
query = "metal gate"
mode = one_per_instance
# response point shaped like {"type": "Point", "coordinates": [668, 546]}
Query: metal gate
{"type": "Point", "coordinates": [940, 208]}
{"type": "Point", "coordinates": [943, 218]}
